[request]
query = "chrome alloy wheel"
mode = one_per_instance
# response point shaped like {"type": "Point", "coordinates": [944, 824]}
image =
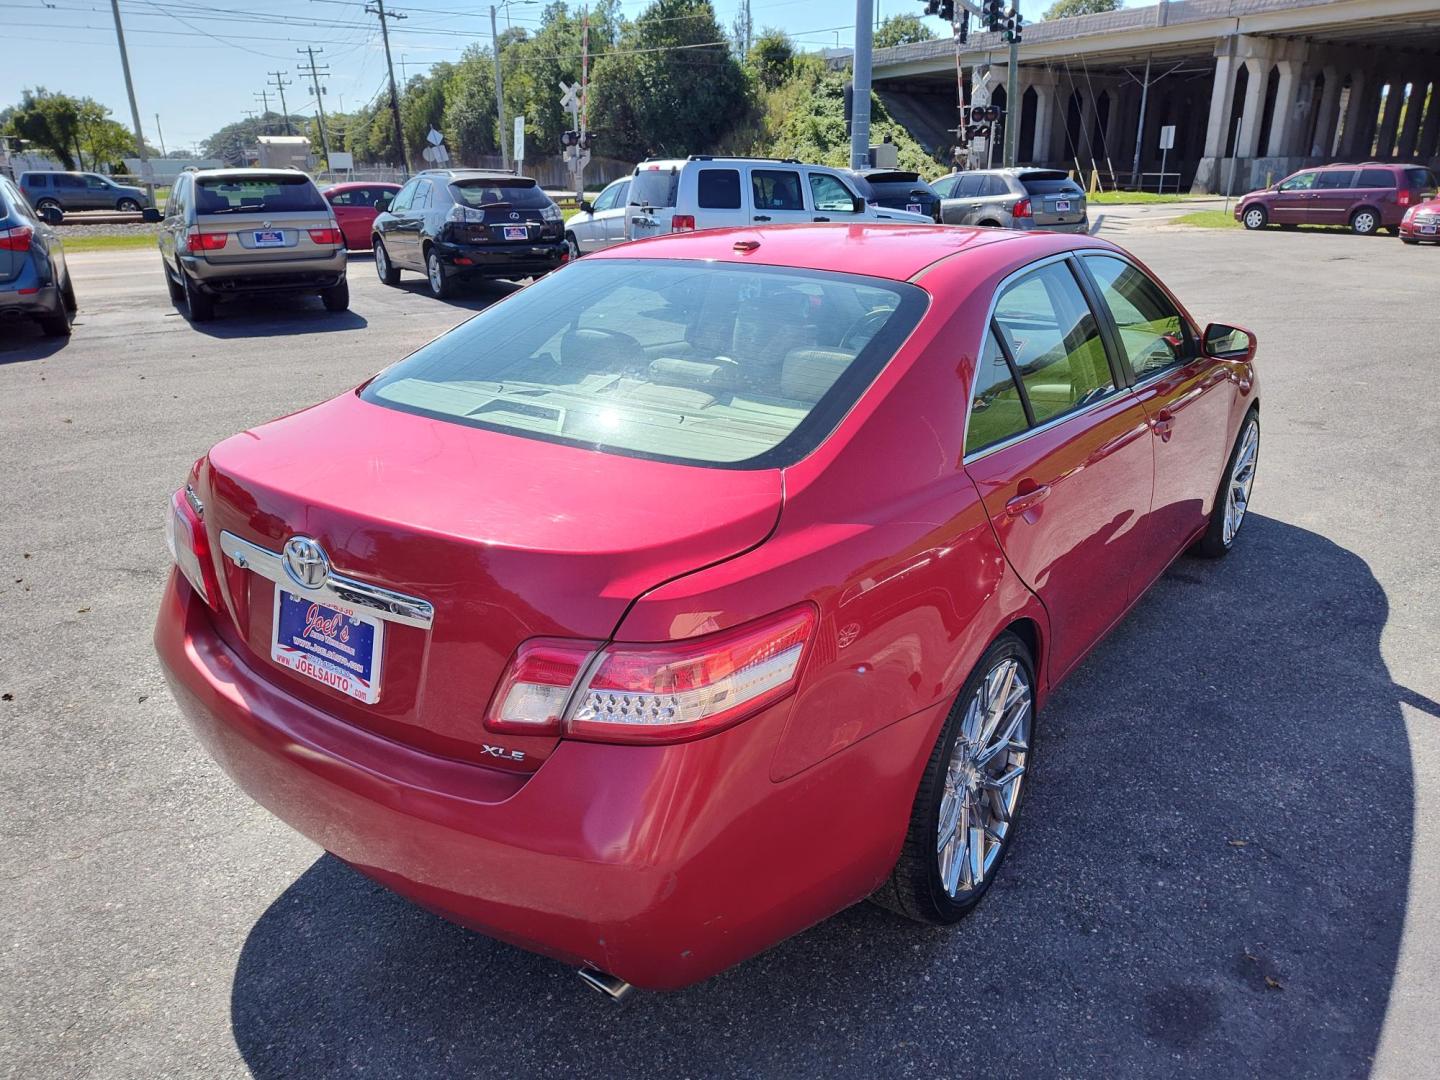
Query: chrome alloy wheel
{"type": "Point", "coordinates": [982, 781]}
{"type": "Point", "coordinates": [1254, 218]}
{"type": "Point", "coordinates": [437, 275]}
{"type": "Point", "coordinates": [1242, 479]}
{"type": "Point", "coordinates": [382, 261]}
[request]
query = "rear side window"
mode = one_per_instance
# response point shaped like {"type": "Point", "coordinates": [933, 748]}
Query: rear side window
{"type": "Point", "coordinates": [1055, 342]}
{"type": "Point", "coordinates": [996, 409]}
{"type": "Point", "coordinates": [1423, 179]}
{"type": "Point", "coordinates": [258, 195]}
{"type": "Point", "coordinates": [654, 187]}
{"type": "Point", "coordinates": [421, 201]}
{"type": "Point", "coordinates": [719, 189]}
{"type": "Point", "coordinates": [1335, 179]}
{"type": "Point", "coordinates": [1152, 333]}
{"type": "Point", "coordinates": [35, 179]}
{"type": "Point", "coordinates": [715, 364]}
{"type": "Point", "coordinates": [776, 189]}
{"type": "Point", "coordinates": [66, 180]}
{"type": "Point", "coordinates": [1381, 178]}
{"type": "Point", "coordinates": [496, 191]}
{"type": "Point", "coordinates": [995, 186]}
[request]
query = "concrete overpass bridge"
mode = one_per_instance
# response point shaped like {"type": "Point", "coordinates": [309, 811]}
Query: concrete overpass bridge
{"type": "Point", "coordinates": [1252, 87]}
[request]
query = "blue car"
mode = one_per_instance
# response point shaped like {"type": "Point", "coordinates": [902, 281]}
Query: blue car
{"type": "Point", "coordinates": [34, 282]}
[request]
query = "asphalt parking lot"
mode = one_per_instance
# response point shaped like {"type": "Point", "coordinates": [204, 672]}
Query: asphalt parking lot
{"type": "Point", "coordinates": [1230, 858]}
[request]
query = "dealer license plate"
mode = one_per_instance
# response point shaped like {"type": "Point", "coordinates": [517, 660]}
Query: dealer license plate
{"type": "Point", "coordinates": [331, 644]}
{"type": "Point", "coordinates": [270, 238]}
{"type": "Point", "coordinates": [1062, 206]}
{"type": "Point", "coordinates": [516, 232]}
{"type": "Point", "coordinates": [915, 208]}
{"type": "Point", "coordinates": [1427, 230]}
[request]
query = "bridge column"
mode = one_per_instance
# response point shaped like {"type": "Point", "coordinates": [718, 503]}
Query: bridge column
{"type": "Point", "coordinates": [1355, 124]}
{"type": "Point", "coordinates": [1259, 70]}
{"type": "Point", "coordinates": [1394, 100]}
{"type": "Point", "coordinates": [1286, 116]}
{"type": "Point", "coordinates": [1427, 147]}
{"type": "Point", "coordinates": [1046, 98]}
{"type": "Point", "coordinates": [1325, 115]}
{"type": "Point", "coordinates": [1410, 134]}
{"type": "Point", "coordinates": [1221, 93]}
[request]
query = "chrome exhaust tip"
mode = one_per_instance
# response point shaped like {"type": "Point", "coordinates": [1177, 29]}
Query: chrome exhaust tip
{"type": "Point", "coordinates": [614, 988]}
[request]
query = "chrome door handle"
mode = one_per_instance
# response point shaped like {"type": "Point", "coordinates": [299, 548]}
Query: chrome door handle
{"type": "Point", "coordinates": [821, 219]}
{"type": "Point", "coordinates": [1027, 500]}
{"type": "Point", "coordinates": [762, 217]}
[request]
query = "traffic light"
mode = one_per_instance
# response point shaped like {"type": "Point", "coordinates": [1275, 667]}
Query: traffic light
{"type": "Point", "coordinates": [932, 7]}
{"type": "Point", "coordinates": [977, 114]}
{"type": "Point", "coordinates": [993, 113]}
{"type": "Point", "coordinates": [584, 142]}
{"type": "Point", "coordinates": [569, 138]}
{"type": "Point", "coordinates": [993, 12]}
{"type": "Point", "coordinates": [947, 10]}
{"type": "Point", "coordinates": [1014, 26]}
{"type": "Point", "coordinates": [962, 31]}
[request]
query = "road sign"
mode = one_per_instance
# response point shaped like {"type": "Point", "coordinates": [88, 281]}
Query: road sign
{"type": "Point", "coordinates": [519, 143]}
{"type": "Point", "coordinates": [1167, 137]}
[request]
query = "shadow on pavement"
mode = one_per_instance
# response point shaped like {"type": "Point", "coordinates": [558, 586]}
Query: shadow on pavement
{"type": "Point", "coordinates": [21, 339]}
{"type": "Point", "coordinates": [1210, 880]}
{"type": "Point", "coordinates": [272, 316]}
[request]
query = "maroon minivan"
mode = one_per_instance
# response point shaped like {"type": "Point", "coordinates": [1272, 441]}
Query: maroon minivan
{"type": "Point", "coordinates": [1366, 197]}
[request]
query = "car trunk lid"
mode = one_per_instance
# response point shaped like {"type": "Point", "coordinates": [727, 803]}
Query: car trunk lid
{"type": "Point", "coordinates": [506, 537]}
{"type": "Point", "coordinates": [267, 218]}
{"type": "Point", "coordinates": [1055, 199]}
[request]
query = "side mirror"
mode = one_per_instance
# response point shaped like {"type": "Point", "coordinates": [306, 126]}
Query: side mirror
{"type": "Point", "coordinates": [1229, 342]}
{"type": "Point", "coordinates": [586, 206]}
{"type": "Point", "coordinates": [857, 205]}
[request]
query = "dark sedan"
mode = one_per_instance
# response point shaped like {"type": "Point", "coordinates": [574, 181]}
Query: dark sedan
{"type": "Point", "coordinates": [898, 189]}
{"type": "Point", "coordinates": [34, 282]}
{"type": "Point", "coordinates": [450, 224]}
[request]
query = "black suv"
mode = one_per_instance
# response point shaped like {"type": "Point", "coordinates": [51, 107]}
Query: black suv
{"type": "Point", "coordinates": [450, 224]}
{"type": "Point", "coordinates": [898, 189]}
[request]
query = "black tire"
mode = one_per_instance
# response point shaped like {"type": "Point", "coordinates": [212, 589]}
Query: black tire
{"type": "Point", "coordinates": [337, 297]}
{"type": "Point", "coordinates": [914, 888]}
{"type": "Point", "coordinates": [1213, 544]}
{"type": "Point", "coordinates": [202, 307]}
{"type": "Point", "coordinates": [176, 290]}
{"type": "Point", "coordinates": [573, 245]}
{"type": "Point", "coordinates": [442, 285]}
{"type": "Point", "coordinates": [128, 206]}
{"type": "Point", "coordinates": [1365, 222]}
{"type": "Point", "coordinates": [1393, 230]}
{"type": "Point", "coordinates": [44, 204]}
{"type": "Point", "coordinates": [1255, 217]}
{"type": "Point", "coordinates": [60, 325]}
{"type": "Point", "coordinates": [386, 270]}
{"type": "Point", "coordinates": [1407, 240]}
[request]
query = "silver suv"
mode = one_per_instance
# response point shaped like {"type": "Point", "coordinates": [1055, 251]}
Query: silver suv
{"type": "Point", "coordinates": [233, 232]}
{"type": "Point", "coordinates": [1013, 199]}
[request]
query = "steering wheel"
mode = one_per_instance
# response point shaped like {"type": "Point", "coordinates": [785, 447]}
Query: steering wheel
{"type": "Point", "coordinates": [865, 328]}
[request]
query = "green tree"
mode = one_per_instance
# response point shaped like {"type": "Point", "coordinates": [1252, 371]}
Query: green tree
{"type": "Point", "coordinates": [772, 58]}
{"type": "Point", "coordinates": [422, 107]}
{"type": "Point", "coordinates": [49, 121]}
{"type": "Point", "coordinates": [902, 30]}
{"type": "Point", "coordinates": [1064, 9]}
{"type": "Point", "coordinates": [103, 141]}
{"type": "Point", "coordinates": [231, 141]}
{"type": "Point", "coordinates": [671, 85]}
{"type": "Point", "coordinates": [470, 128]}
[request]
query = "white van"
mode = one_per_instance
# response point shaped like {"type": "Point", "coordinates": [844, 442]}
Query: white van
{"type": "Point", "coordinates": [721, 192]}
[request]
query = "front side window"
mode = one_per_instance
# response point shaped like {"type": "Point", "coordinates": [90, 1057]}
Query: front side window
{"type": "Point", "coordinates": [1152, 333]}
{"type": "Point", "coordinates": [280, 194]}
{"type": "Point", "coordinates": [607, 198]}
{"type": "Point", "coordinates": [1377, 178]}
{"type": "Point", "coordinates": [830, 195]}
{"type": "Point", "coordinates": [66, 180]}
{"type": "Point", "coordinates": [719, 189]}
{"type": "Point", "coordinates": [776, 189]}
{"type": "Point", "coordinates": [1301, 182]}
{"type": "Point", "coordinates": [97, 183]}
{"type": "Point", "coordinates": [722, 365]}
{"type": "Point", "coordinates": [1055, 342]}
{"type": "Point", "coordinates": [943, 186]}
{"type": "Point", "coordinates": [1335, 179]}
{"type": "Point", "coordinates": [996, 408]}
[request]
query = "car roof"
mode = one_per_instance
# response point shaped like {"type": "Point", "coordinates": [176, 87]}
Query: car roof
{"type": "Point", "coordinates": [876, 249]}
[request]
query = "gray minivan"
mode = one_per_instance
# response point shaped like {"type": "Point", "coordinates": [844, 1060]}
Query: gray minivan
{"type": "Point", "coordinates": [81, 191]}
{"type": "Point", "coordinates": [1013, 199]}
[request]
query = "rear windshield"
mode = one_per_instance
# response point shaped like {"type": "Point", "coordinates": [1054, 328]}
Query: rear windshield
{"type": "Point", "coordinates": [654, 187]}
{"type": "Point", "coordinates": [1423, 179]}
{"type": "Point", "coordinates": [258, 195]}
{"type": "Point", "coordinates": [693, 362]}
{"type": "Point", "coordinates": [1050, 183]}
{"type": "Point", "coordinates": [500, 191]}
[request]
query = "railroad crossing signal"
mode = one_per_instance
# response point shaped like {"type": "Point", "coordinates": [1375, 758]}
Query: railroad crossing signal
{"type": "Point", "coordinates": [944, 9]}
{"type": "Point", "coordinates": [1014, 26]}
{"type": "Point", "coordinates": [993, 14]}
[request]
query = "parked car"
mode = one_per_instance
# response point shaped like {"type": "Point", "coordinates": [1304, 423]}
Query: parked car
{"type": "Point", "coordinates": [453, 224]}
{"type": "Point", "coordinates": [1013, 199]}
{"type": "Point", "coordinates": [684, 598]}
{"type": "Point", "coordinates": [601, 223]}
{"type": "Point", "coordinates": [356, 205]}
{"type": "Point", "coordinates": [1421, 223]}
{"type": "Point", "coordinates": [249, 232]}
{"type": "Point", "coordinates": [898, 189]}
{"type": "Point", "coordinates": [1366, 197]}
{"type": "Point", "coordinates": [717, 192]}
{"type": "Point", "coordinates": [34, 280]}
{"type": "Point", "coordinates": [81, 191]}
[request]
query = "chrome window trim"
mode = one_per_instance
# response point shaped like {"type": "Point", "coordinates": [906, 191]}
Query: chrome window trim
{"type": "Point", "coordinates": [1021, 436]}
{"type": "Point", "coordinates": [384, 604]}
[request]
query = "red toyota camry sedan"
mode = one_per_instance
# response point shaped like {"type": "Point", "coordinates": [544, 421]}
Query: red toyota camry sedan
{"type": "Point", "coordinates": [707, 586]}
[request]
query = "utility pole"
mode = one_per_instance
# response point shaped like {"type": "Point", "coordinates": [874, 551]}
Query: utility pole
{"type": "Point", "coordinates": [860, 101]}
{"type": "Point", "coordinates": [161, 135]}
{"type": "Point", "coordinates": [1013, 109]}
{"type": "Point", "coordinates": [379, 10]}
{"type": "Point", "coordinates": [264, 97]}
{"type": "Point", "coordinates": [280, 83]}
{"type": "Point", "coordinates": [316, 89]}
{"type": "Point", "coordinates": [499, 89]}
{"type": "Point", "coordinates": [145, 172]}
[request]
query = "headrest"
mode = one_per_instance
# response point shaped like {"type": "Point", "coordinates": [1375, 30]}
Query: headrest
{"type": "Point", "coordinates": [808, 373]}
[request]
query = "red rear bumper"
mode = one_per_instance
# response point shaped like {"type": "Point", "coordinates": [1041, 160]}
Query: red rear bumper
{"type": "Point", "coordinates": [662, 865]}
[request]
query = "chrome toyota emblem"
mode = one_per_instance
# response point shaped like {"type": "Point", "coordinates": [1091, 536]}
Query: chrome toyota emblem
{"type": "Point", "coordinates": [306, 562]}
{"type": "Point", "coordinates": [514, 216]}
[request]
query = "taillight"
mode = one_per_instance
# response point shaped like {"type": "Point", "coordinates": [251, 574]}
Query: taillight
{"type": "Point", "coordinates": [1022, 209]}
{"type": "Point", "coordinates": [326, 236]}
{"type": "Point", "coordinates": [682, 223]}
{"type": "Point", "coordinates": [190, 547]}
{"type": "Point", "coordinates": [195, 240]}
{"type": "Point", "coordinates": [642, 693]}
{"type": "Point", "coordinates": [16, 239]}
{"type": "Point", "coordinates": [1404, 197]}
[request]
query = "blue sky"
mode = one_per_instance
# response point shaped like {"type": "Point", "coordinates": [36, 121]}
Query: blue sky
{"type": "Point", "coordinates": [200, 63]}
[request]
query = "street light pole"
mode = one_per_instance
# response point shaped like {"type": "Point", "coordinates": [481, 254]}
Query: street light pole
{"type": "Point", "coordinates": [860, 99]}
